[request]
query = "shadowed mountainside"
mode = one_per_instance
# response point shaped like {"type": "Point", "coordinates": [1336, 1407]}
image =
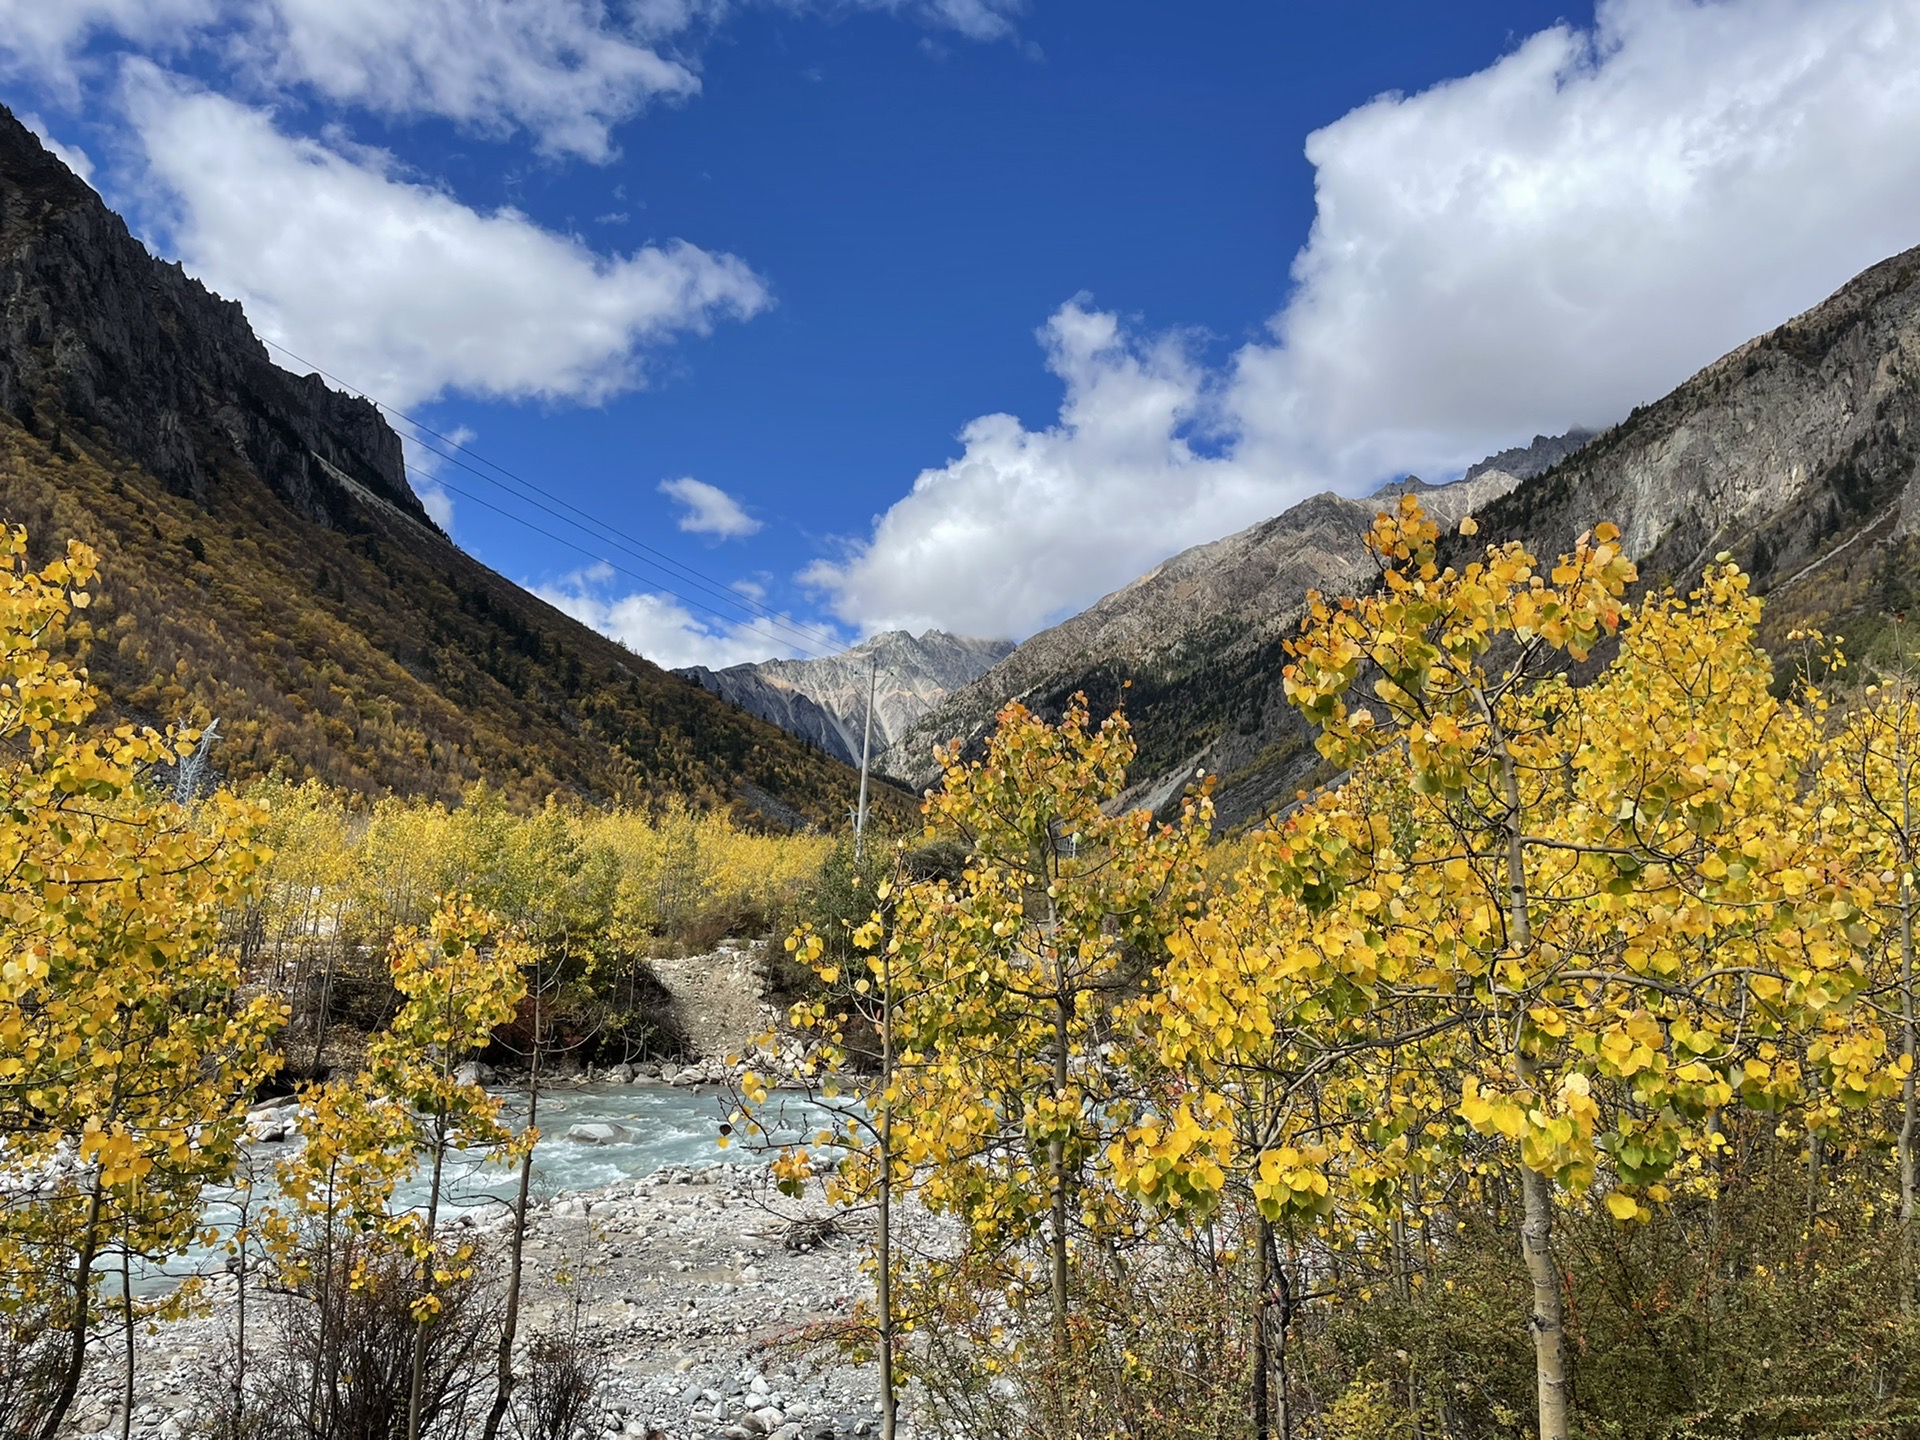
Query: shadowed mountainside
{"type": "Point", "coordinates": [265, 561]}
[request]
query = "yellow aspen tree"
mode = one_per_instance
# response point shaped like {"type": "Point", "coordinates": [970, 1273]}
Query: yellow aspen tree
{"type": "Point", "coordinates": [127, 1054]}
{"type": "Point", "coordinates": [335, 1194]}
{"type": "Point", "coordinates": [1283, 1066]}
{"type": "Point", "coordinates": [1605, 895]}
{"type": "Point", "coordinates": [1014, 971]}
{"type": "Point", "coordinates": [406, 1110]}
{"type": "Point", "coordinates": [1869, 776]}
{"type": "Point", "coordinates": [1001, 1095]}
{"type": "Point", "coordinates": [858, 1134]}
{"type": "Point", "coordinates": [459, 980]}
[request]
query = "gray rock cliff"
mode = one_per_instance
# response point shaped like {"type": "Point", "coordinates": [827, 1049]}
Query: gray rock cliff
{"type": "Point", "coordinates": [825, 700]}
{"type": "Point", "coordinates": [96, 332]}
{"type": "Point", "coordinates": [1186, 645]}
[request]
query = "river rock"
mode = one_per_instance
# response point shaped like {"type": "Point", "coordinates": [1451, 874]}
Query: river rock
{"type": "Point", "coordinates": [474, 1073]}
{"type": "Point", "coordinates": [600, 1132]}
{"type": "Point", "coordinates": [271, 1129]}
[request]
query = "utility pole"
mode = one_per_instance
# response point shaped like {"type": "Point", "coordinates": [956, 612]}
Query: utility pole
{"type": "Point", "coordinates": [866, 752]}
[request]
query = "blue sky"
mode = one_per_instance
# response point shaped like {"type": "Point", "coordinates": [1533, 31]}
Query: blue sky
{"type": "Point", "coordinates": [964, 312]}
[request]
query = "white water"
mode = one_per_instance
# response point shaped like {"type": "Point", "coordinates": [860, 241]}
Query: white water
{"type": "Point", "coordinates": [670, 1126]}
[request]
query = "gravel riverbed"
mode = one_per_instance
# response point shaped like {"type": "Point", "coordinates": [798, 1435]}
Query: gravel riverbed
{"type": "Point", "coordinates": [693, 1283]}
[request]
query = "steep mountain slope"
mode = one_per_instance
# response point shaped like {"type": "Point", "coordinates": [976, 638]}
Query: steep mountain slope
{"type": "Point", "coordinates": [1191, 647]}
{"type": "Point", "coordinates": [1799, 453]}
{"type": "Point", "coordinates": [266, 562]}
{"type": "Point", "coordinates": [825, 700]}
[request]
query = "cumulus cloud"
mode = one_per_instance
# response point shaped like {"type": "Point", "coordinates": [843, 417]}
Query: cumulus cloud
{"type": "Point", "coordinates": [1013, 529]}
{"type": "Point", "coordinates": [48, 39]}
{"type": "Point", "coordinates": [1568, 232]}
{"type": "Point", "coordinates": [1578, 227]}
{"type": "Point", "coordinates": [709, 510]}
{"type": "Point", "coordinates": [661, 627]}
{"type": "Point", "coordinates": [565, 72]}
{"type": "Point", "coordinates": [393, 283]}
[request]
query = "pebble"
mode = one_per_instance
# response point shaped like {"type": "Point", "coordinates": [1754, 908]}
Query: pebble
{"type": "Point", "coordinates": [685, 1278]}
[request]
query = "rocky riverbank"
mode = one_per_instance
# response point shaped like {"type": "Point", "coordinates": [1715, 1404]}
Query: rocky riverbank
{"type": "Point", "coordinates": [705, 1292]}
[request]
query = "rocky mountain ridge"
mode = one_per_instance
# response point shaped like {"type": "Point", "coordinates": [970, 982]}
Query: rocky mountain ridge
{"type": "Point", "coordinates": [1174, 643]}
{"type": "Point", "coordinates": [824, 700]}
{"type": "Point", "coordinates": [265, 561]}
{"type": "Point", "coordinates": [1798, 453]}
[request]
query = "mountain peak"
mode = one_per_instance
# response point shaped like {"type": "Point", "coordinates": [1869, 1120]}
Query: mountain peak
{"type": "Point", "coordinates": [824, 700]}
{"type": "Point", "coordinates": [1799, 452]}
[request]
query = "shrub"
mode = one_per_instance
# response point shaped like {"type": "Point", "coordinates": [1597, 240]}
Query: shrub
{"type": "Point", "coordinates": [334, 1364]}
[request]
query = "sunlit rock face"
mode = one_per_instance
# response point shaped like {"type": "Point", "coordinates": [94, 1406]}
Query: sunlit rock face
{"type": "Point", "coordinates": [1798, 454]}
{"type": "Point", "coordinates": [825, 700]}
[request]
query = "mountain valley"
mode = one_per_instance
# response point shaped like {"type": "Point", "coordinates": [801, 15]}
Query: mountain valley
{"type": "Point", "coordinates": [265, 562]}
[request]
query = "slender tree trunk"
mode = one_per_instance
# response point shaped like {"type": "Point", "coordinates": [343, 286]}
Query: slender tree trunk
{"type": "Point", "coordinates": [503, 1381]}
{"type": "Point", "coordinates": [1262, 1360]}
{"type": "Point", "coordinates": [1816, 1150]}
{"type": "Point", "coordinates": [1063, 1014]}
{"type": "Point", "coordinates": [416, 1385]}
{"type": "Point", "coordinates": [1908, 1116]}
{"type": "Point", "coordinates": [325, 1297]}
{"type": "Point", "coordinates": [240, 1298]}
{"type": "Point", "coordinates": [126, 1313]}
{"type": "Point", "coordinates": [82, 1319]}
{"type": "Point", "coordinates": [1283, 1384]}
{"type": "Point", "coordinates": [889, 1397]}
{"type": "Point", "coordinates": [326, 1004]}
{"type": "Point", "coordinates": [1547, 1323]}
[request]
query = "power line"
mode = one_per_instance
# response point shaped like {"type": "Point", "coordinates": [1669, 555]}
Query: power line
{"type": "Point", "coordinates": [819, 640]}
{"type": "Point", "coordinates": [665, 563]}
{"type": "Point", "coordinates": [581, 549]}
{"type": "Point", "coordinates": [798, 635]}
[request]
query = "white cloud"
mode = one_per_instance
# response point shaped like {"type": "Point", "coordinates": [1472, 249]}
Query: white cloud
{"type": "Point", "coordinates": [661, 627]}
{"type": "Point", "coordinates": [72, 156]}
{"type": "Point", "coordinates": [1580, 226]}
{"type": "Point", "coordinates": [564, 70]}
{"type": "Point", "coordinates": [709, 510]}
{"type": "Point", "coordinates": [971, 19]}
{"type": "Point", "coordinates": [1013, 529]}
{"type": "Point", "coordinates": [1568, 232]}
{"type": "Point", "coordinates": [395, 285]}
{"type": "Point", "coordinates": [47, 39]}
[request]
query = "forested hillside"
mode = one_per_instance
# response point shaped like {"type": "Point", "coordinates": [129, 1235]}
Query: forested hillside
{"type": "Point", "coordinates": [265, 562]}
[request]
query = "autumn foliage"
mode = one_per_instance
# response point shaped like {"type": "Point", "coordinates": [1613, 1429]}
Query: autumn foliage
{"type": "Point", "coordinates": [1598, 951]}
{"type": "Point", "coordinates": [1548, 1071]}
